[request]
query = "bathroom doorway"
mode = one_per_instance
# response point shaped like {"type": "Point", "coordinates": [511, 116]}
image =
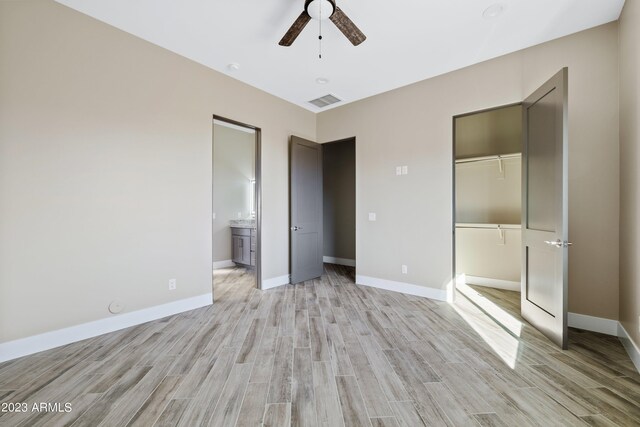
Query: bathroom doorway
{"type": "Point", "coordinates": [236, 207]}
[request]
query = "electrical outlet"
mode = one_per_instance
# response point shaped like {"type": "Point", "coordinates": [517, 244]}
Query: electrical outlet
{"type": "Point", "coordinates": [398, 170]}
{"type": "Point", "coordinates": [404, 269]}
{"type": "Point", "coordinates": [372, 216]}
{"type": "Point", "coordinates": [172, 284]}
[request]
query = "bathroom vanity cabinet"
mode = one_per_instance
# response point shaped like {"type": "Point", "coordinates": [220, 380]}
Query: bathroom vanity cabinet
{"type": "Point", "coordinates": [243, 242]}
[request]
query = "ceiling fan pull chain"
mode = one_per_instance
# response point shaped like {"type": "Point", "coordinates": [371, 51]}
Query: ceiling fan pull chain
{"type": "Point", "coordinates": [320, 36]}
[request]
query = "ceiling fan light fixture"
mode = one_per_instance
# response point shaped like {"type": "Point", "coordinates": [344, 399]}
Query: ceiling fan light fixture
{"type": "Point", "coordinates": [320, 9]}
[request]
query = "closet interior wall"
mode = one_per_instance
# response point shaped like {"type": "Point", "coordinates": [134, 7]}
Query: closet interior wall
{"type": "Point", "coordinates": [488, 198]}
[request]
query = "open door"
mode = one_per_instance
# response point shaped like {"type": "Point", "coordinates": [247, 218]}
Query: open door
{"type": "Point", "coordinates": [305, 189]}
{"type": "Point", "coordinates": [545, 209]}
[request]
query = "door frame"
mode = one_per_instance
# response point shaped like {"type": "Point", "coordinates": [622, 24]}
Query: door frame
{"type": "Point", "coordinates": [355, 192]}
{"type": "Point", "coordinates": [258, 192]}
{"type": "Point", "coordinates": [355, 167]}
{"type": "Point", "coordinates": [453, 183]}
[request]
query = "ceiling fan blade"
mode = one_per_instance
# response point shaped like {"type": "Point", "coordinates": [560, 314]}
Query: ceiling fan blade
{"type": "Point", "coordinates": [347, 27]}
{"type": "Point", "coordinates": [295, 29]}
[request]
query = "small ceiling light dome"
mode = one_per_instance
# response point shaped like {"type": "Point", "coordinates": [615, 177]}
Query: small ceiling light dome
{"type": "Point", "coordinates": [322, 80]}
{"type": "Point", "coordinates": [234, 66]}
{"type": "Point", "coordinates": [493, 11]}
{"type": "Point", "coordinates": [320, 9]}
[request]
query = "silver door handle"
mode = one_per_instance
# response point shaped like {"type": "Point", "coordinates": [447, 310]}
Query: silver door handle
{"type": "Point", "coordinates": [296, 228]}
{"type": "Point", "coordinates": [558, 243]}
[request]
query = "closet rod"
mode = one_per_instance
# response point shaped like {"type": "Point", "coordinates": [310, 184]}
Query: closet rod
{"type": "Point", "coordinates": [489, 226]}
{"type": "Point", "coordinates": [488, 158]}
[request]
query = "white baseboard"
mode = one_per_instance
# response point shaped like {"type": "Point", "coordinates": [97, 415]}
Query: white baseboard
{"type": "Point", "coordinates": [593, 324]}
{"type": "Point", "coordinates": [223, 264]}
{"type": "Point", "coordinates": [48, 340]}
{"type": "Point", "coordinates": [629, 345]}
{"type": "Point", "coordinates": [275, 282]}
{"type": "Point", "coordinates": [507, 285]}
{"type": "Point", "coordinates": [608, 327]}
{"type": "Point", "coordinates": [405, 288]}
{"type": "Point", "coordinates": [339, 261]}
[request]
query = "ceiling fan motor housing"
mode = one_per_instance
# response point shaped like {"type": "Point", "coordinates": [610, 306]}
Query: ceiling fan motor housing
{"type": "Point", "coordinates": [313, 7]}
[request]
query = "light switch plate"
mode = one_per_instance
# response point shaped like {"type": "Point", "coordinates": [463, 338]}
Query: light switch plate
{"type": "Point", "coordinates": [398, 170]}
{"type": "Point", "coordinates": [405, 170]}
{"type": "Point", "coordinates": [404, 269]}
{"type": "Point", "coordinates": [372, 216]}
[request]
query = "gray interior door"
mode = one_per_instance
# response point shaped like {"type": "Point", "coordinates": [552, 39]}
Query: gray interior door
{"type": "Point", "coordinates": [305, 188]}
{"type": "Point", "coordinates": [544, 209]}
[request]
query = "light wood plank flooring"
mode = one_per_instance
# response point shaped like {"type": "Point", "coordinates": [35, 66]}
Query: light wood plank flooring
{"type": "Point", "coordinates": [328, 353]}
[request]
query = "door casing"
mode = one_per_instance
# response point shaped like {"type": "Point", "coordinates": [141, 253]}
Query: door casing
{"type": "Point", "coordinates": [258, 192]}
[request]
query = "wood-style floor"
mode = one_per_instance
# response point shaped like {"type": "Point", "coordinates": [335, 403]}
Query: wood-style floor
{"type": "Point", "coordinates": [329, 353]}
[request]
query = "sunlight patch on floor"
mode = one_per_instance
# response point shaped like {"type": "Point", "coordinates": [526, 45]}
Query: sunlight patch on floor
{"type": "Point", "coordinates": [503, 344]}
{"type": "Point", "coordinates": [500, 315]}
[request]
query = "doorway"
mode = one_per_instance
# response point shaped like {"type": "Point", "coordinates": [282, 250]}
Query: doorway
{"type": "Point", "coordinates": [236, 208]}
{"type": "Point", "coordinates": [322, 207]}
{"type": "Point", "coordinates": [488, 208]}
{"type": "Point", "coordinates": [485, 204]}
{"type": "Point", "coordinates": [339, 202]}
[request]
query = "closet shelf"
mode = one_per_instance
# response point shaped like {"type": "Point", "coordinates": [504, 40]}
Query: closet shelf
{"type": "Point", "coordinates": [489, 226]}
{"type": "Point", "coordinates": [488, 158]}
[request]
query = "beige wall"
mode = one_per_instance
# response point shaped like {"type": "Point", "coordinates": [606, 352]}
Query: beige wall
{"type": "Point", "coordinates": [481, 253]}
{"type": "Point", "coordinates": [629, 165]}
{"type": "Point", "coordinates": [413, 126]}
{"type": "Point", "coordinates": [339, 199]}
{"type": "Point", "coordinates": [233, 169]}
{"type": "Point", "coordinates": [489, 133]}
{"type": "Point", "coordinates": [105, 169]}
{"type": "Point", "coordinates": [484, 195]}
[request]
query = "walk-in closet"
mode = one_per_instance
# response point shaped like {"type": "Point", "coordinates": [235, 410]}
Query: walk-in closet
{"type": "Point", "coordinates": [487, 147]}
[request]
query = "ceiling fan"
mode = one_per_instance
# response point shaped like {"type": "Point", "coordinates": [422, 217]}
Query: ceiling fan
{"type": "Point", "coordinates": [321, 10]}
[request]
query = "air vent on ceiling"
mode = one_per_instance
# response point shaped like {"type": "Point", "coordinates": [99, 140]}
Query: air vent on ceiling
{"type": "Point", "coordinates": [324, 101]}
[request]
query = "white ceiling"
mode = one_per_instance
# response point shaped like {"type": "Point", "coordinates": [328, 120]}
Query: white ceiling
{"type": "Point", "coordinates": [407, 40]}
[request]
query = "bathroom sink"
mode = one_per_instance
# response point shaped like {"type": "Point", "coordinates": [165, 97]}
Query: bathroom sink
{"type": "Point", "coordinates": [243, 223]}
